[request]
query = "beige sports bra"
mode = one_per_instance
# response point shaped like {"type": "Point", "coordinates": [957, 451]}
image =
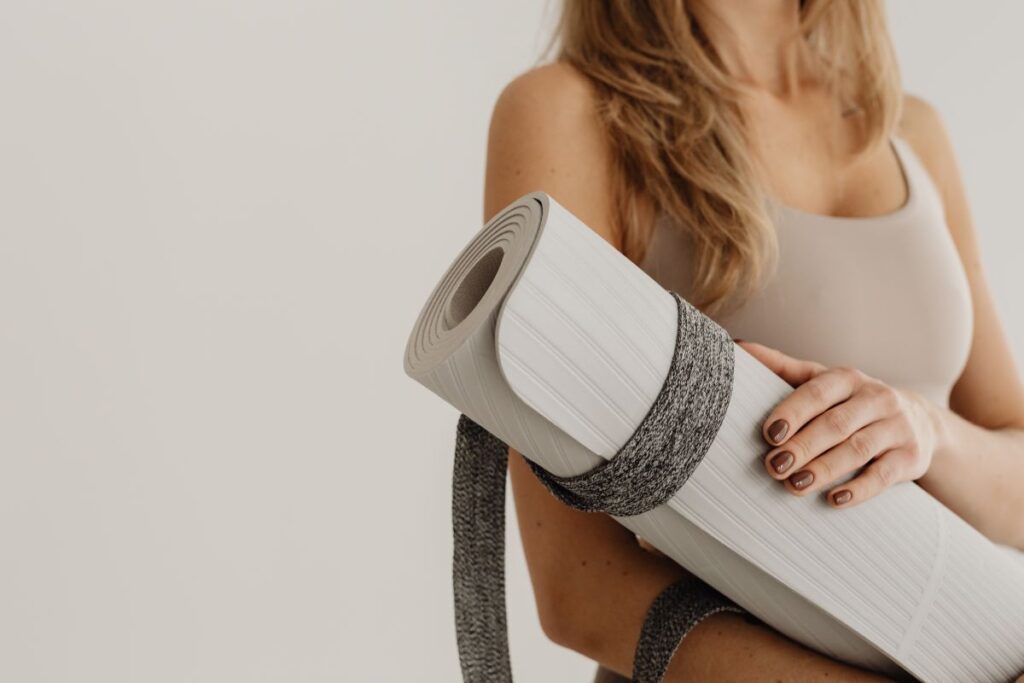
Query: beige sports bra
{"type": "Point", "coordinates": [886, 294]}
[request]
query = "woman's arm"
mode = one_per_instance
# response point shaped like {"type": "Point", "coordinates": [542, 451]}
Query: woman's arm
{"type": "Point", "coordinates": [592, 582]}
{"type": "Point", "coordinates": [970, 456]}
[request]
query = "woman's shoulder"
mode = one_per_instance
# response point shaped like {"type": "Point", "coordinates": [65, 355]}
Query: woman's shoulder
{"type": "Point", "coordinates": [551, 106]}
{"type": "Point", "coordinates": [546, 134]}
{"type": "Point", "coordinates": [550, 88]}
{"type": "Point", "coordinates": [923, 128]}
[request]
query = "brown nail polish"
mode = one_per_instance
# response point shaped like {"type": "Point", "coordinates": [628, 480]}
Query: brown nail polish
{"type": "Point", "coordinates": [802, 479]}
{"type": "Point", "coordinates": [777, 430]}
{"type": "Point", "coordinates": [842, 497]}
{"type": "Point", "coordinates": [782, 461]}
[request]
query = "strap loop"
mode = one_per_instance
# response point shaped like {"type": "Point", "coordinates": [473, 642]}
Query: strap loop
{"type": "Point", "coordinates": [673, 437]}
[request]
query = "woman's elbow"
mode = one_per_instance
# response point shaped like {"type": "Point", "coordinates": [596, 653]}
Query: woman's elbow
{"type": "Point", "coordinates": [556, 617]}
{"type": "Point", "coordinates": [566, 619]}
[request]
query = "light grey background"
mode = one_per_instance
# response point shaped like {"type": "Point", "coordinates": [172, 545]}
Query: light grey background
{"type": "Point", "coordinates": [218, 221]}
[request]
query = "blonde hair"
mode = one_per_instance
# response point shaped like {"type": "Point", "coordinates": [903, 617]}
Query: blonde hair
{"type": "Point", "coordinates": [678, 138]}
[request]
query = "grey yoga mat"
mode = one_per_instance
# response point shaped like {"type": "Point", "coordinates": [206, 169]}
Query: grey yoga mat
{"type": "Point", "coordinates": [653, 465]}
{"type": "Point", "coordinates": [555, 343]}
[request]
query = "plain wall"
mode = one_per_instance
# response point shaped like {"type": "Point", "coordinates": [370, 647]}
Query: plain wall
{"type": "Point", "coordinates": [218, 221]}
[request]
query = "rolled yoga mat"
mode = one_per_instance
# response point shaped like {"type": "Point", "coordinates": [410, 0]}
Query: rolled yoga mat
{"type": "Point", "coordinates": [554, 342]}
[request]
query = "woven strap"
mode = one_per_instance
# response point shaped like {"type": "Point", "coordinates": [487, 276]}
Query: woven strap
{"type": "Point", "coordinates": [667, 446]}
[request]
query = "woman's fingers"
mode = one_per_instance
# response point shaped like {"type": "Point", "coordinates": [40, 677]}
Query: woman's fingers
{"type": "Point", "coordinates": [824, 431]}
{"type": "Point", "coordinates": [890, 468]}
{"type": "Point", "coordinates": [813, 397]}
{"type": "Point", "coordinates": [836, 421]}
{"type": "Point", "coordinates": [848, 456]}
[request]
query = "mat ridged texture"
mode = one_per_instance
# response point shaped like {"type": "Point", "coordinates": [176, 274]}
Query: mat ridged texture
{"type": "Point", "coordinates": [651, 467]}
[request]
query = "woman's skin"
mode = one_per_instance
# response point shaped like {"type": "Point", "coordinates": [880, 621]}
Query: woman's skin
{"type": "Point", "coordinates": [592, 581]}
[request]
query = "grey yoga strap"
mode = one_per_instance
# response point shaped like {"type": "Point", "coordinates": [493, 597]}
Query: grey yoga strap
{"type": "Point", "coordinates": [650, 468]}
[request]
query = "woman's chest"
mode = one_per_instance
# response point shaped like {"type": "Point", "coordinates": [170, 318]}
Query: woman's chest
{"type": "Point", "coordinates": [887, 297]}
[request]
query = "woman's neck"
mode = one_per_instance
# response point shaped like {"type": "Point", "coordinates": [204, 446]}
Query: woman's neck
{"type": "Point", "coordinates": [757, 40]}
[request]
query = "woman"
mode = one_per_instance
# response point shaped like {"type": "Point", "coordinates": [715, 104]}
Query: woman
{"type": "Point", "coordinates": [760, 159]}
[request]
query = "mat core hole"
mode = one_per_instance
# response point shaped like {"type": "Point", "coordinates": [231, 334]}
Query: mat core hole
{"type": "Point", "coordinates": [472, 288]}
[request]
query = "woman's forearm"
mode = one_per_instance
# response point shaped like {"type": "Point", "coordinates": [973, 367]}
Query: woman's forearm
{"type": "Point", "coordinates": [979, 474]}
{"type": "Point", "coordinates": [722, 647]}
{"type": "Point", "coordinates": [730, 647]}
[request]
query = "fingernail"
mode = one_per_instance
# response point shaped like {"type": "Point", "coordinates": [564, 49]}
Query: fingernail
{"type": "Point", "coordinates": [782, 461]}
{"type": "Point", "coordinates": [802, 479]}
{"type": "Point", "coordinates": [842, 497]}
{"type": "Point", "coordinates": [777, 430]}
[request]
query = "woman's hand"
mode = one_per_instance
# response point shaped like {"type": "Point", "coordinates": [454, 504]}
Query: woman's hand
{"type": "Point", "coordinates": [839, 420]}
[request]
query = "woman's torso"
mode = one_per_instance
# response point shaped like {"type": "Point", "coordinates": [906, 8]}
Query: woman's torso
{"type": "Point", "coordinates": [886, 294]}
